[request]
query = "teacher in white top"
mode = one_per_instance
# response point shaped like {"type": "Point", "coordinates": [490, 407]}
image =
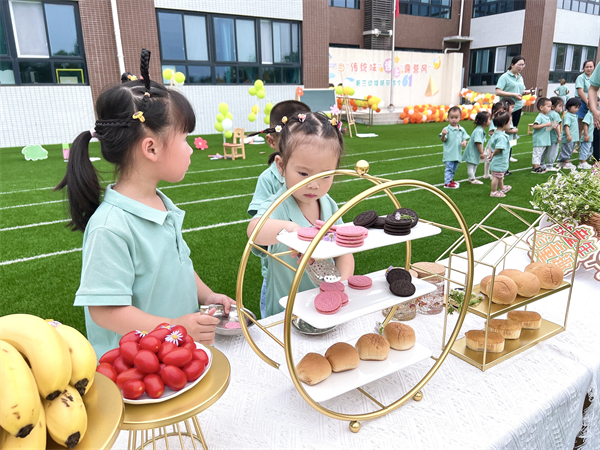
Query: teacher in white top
{"type": "Point", "coordinates": [511, 84]}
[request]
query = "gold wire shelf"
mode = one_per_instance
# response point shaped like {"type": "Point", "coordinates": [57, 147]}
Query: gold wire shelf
{"type": "Point", "coordinates": [489, 310]}
{"type": "Point", "coordinates": [379, 185]}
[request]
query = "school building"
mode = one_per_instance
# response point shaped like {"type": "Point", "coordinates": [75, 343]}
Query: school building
{"type": "Point", "coordinates": [56, 56]}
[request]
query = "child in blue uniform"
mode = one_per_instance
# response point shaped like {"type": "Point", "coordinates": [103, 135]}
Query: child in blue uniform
{"type": "Point", "coordinates": [587, 139]}
{"type": "Point", "coordinates": [309, 144]}
{"type": "Point", "coordinates": [136, 272]}
{"type": "Point", "coordinates": [555, 115]}
{"type": "Point", "coordinates": [542, 139]}
{"type": "Point", "coordinates": [454, 138]}
{"type": "Point", "coordinates": [473, 153]}
{"type": "Point", "coordinates": [500, 145]}
{"type": "Point", "coordinates": [496, 108]}
{"type": "Point", "coordinates": [570, 134]}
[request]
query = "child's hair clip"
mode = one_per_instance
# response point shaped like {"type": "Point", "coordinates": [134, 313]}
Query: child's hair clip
{"type": "Point", "coordinates": [139, 115]}
{"type": "Point", "coordinates": [334, 122]}
{"type": "Point", "coordinates": [284, 119]}
{"type": "Point", "coordinates": [146, 94]}
{"type": "Point", "coordinates": [301, 118]}
{"type": "Point", "coordinates": [131, 77]}
{"type": "Point", "coordinates": [278, 129]}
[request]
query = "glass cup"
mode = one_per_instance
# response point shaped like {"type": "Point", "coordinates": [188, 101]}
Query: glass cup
{"type": "Point", "coordinates": [432, 303]}
{"type": "Point", "coordinates": [406, 310]}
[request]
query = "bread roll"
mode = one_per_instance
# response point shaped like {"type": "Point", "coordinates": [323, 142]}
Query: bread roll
{"type": "Point", "coordinates": [550, 275]}
{"type": "Point", "coordinates": [504, 290]}
{"type": "Point", "coordinates": [342, 356]}
{"type": "Point", "coordinates": [313, 368]}
{"type": "Point", "coordinates": [528, 319]}
{"type": "Point", "coordinates": [372, 347]}
{"type": "Point", "coordinates": [435, 268]}
{"type": "Point", "coordinates": [484, 285]}
{"type": "Point", "coordinates": [527, 283]}
{"type": "Point", "coordinates": [532, 266]}
{"type": "Point", "coordinates": [509, 329]}
{"type": "Point", "coordinates": [476, 341]}
{"type": "Point", "coordinates": [399, 335]}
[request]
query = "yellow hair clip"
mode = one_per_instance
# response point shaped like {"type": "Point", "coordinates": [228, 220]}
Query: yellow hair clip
{"type": "Point", "coordinates": [146, 94]}
{"type": "Point", "coordinates": [139, 115]}
{"type": "Point", "coordinates": [131, 77]}
{"type": "Point", "coordinates": [334, 121]}
{"type": "Point", "coordinates": [284, 119]}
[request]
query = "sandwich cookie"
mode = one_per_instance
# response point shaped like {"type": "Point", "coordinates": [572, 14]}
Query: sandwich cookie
{"type": "Point", "coordinates": [328, 302]}
{"type": "Point", "coordinates": [366, 219]}
{"type": "Point", "coordinates": [360, 282]}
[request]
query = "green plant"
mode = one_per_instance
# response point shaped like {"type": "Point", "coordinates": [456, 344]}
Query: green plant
{"type": "Point", "coordinates": [458, 297]}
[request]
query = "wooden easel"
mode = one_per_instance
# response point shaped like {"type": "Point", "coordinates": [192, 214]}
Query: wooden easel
{"type": "Point", "coordinates": [349, 114]}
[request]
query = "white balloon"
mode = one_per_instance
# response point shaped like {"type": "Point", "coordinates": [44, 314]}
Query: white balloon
{"type": "Point", "coordinates": [227, 124]}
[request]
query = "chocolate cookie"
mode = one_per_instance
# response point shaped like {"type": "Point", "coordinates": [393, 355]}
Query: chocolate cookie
{"type": "Point", "coordinates": [402, 288]}
{"type": "Point", "coordinates": [379, 224]}
{"type": "Point", "coordinates": [396, 274]}
{"type": "Point", "coordinates": [366, 219]}
{"type": "Point", "coordinates": [409, 212]}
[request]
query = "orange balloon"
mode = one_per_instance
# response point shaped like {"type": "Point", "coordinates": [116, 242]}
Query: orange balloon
{"type": "Point", "coordinates": [406, 109]}
{"type": "Point", "coordinates": [402, 115]}
{"type": "Point", "coordinates": [355, 108]}
{"type": "Point", "coordinates": [378, 110]}
{"type": "Point", "coordinates": [406, 120]}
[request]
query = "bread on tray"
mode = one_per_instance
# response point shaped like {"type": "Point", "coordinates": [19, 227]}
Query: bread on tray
{"type": "Point", "coordinates": [342, 356]}
{"type": "Point", "coordinates": [509, 329]}
{"type": "Point", "coordinates": [476, 341]}
{"type": "Point", "coordinates": [399, 335]}
{"type": "Point", "coordinates": [372, 347]}
{"type": "Point", "coordinates": [528, 319]}
{"type": "Point", "coordinates": [313, 368]}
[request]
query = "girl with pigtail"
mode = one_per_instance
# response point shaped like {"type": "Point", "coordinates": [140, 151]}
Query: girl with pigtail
{"type": "Point", "coordinates": [473, 153]}
{"type": "Point", "coordinates": [136, 270]}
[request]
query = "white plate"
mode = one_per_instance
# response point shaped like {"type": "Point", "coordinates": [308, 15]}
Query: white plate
{"type": "Point", "coordinates": [360, 302]}
{"type": "Point", "coordinates": [366, 372]}
{"type": "Point", "coordinates": [376, 238]}
{"type": "Point", "coordinates": [170, 393]}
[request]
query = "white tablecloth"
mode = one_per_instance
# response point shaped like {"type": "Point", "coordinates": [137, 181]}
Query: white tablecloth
{"type": "Point", "coordinates": [532, 401]}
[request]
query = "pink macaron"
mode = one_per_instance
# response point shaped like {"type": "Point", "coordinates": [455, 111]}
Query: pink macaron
{"type": "Point", "coordinates": [328, 302]}
{"type": "Point", "coordinates": [360, 282]}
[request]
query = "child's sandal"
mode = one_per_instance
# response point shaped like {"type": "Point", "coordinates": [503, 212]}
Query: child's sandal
{"type": "Point", "coordinates": [497, 194]}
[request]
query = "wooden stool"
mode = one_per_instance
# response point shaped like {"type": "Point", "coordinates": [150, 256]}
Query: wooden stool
{"type": "Point", "coordinates": [238, 133]}
{"type": "Point", "coordinates": [529, 128]}
{"type": "Point", "coordinates": [152, 419]}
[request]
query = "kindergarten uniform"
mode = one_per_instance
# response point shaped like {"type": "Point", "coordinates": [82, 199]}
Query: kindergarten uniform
{"type": "Point", "coordinates": [509, 82]}
{"type": "Point", "coordinates": [585, 148]}
{"type": "Point", "coordinates": [134, 255]}
{"type": "Point", "coordinates": [499, 163]}
{"type": "Point", "coordinates": [583, 82]}
{"type": "Point", "coordinates": [549, 156]}
{"type": "Point", "coordinates": [471, 155]}
{"type": "Point", "coordinates": [570, 120]}
{"type": "Point", "coordinates": [452, 150]}
{"type": "Point", "coordinates": [279, 278]}
{"type": "Point", "coordinates": [562, 92]}
{"type": "Point", "coordinates": [541, 139]}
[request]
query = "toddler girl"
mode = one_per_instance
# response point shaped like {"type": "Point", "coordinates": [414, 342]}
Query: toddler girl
{"type": "Point", "coordinates": [136, 272]}
{"type": "Point", "coordinates": [473, 153]}
{"type": "Point", "coordinates": [310, 144]}
{"type": "Point", "coordinates": [562, 91]}
{"type": "Point", "coordinates": [570, 134]}
{"type": "Point", "coordinates": [500, 145]}
{"type": "Point", "coordinates": [496, 108]}
{"type": "Point", "coordinates": [587, 139]}
{"type": "Point", "coordinates": [454, 138]}
{"type": "Point", "coordinates": [549, 156]}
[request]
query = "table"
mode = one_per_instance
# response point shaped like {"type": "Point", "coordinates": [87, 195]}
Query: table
{"type": "Point", "coordinates": [532, 401]}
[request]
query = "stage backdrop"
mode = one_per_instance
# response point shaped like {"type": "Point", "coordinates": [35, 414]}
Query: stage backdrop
{"type": "Point", "coordinates": [419, 78]}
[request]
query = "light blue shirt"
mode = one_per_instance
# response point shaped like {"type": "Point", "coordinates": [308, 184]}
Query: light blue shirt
{"type": "Point", "coordinates": [452, 146]}
{"type": "Point", "coordinates": [510, 82]}
{"type": "Point", "coordinates": [589, 120]}
{"type": "Point", "coordinates": [279, 278]}
{"type": "Point", "coordinates": [570, 120]}
{"type": "Point", "coordinates": [471, 154]}
{"type": "Point", "coordinates": [554, 117]}
{"type": "Point", "coordinates": [582, 81]}
{"type": "Point", "coordinates": [135, 255]}
{"type": "Point", "coordinates": [500, 140]}
{"type": "Point", "coordinates": [542, 137]}
{"type": "Point", "coordinates": [595, 78]}
{"type": "Point", "coordinates": [268, 183]}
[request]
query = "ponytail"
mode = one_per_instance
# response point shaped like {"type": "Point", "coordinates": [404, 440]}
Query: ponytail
{"type": "Point", "coordinates": [82, 183]}
{"type": "Point", "coordinates": [272, 156]}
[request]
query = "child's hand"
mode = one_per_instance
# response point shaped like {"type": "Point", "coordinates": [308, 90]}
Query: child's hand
{"type": "Point", "coordinates": [463, 143]}
{"type": "Point", "coordinates": [299, 255]}
{"type": "Point", "coordinates": [444, 132]}
{"type": "Point", "coordinates": [586, 138]}
{"type": "Point", "coordinates": [569, 138]}
{"type": "Point", "coordinates": [201, 327]}
{"type": "Point", "coordinates": [221, 299]}
{"type": "Point", "coordinates": [490, 157]}
{"type": "Point", "coordinates": [559, 138]}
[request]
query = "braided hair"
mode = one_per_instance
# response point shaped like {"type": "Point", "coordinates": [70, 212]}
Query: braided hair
{"type": "Point", "coordinates": [126, 114]}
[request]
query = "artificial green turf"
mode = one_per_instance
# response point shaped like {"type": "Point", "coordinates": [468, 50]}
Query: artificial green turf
{"type": "Point", "coordinates": [46, 287]}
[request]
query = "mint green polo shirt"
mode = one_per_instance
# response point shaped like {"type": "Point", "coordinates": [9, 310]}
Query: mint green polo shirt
{"type": "Point", "coordinates": [268, 183]}
{"type": "Point", "coordinates": [541, 137]}
{"type": "Point", "coordinates": [562, 90]}
{"type": "Point", "coordinates": [554, 117]}
{"type": "Point", "coordinates": [570, 120]}
{"type": "Point", "coordinates": [509, 82]}
{"type": "Point", "coordinates": [471, 154]}
{"type": "Point", "coordinates": [452, 146]}
{"type": "Point", "coordinates": [499, 163]}
{"type": "Point", "coordinates": [595, 78]}
{"type": "Point", "coordinates": [279, 278]}
{"type": "Point", "coordinates": [589, 120]}
{"type": "Point", "coordinates": [582, 81]}
{"type": "Point", "coordinates": [135, 255]}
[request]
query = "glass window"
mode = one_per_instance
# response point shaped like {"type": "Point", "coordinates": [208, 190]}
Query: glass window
{"type": "Point", "coordinates": [69, 73]}
{"type": "Point", "coordinates": [247, 75]}
{"type": "Point", "coordinates": [483, 8]}
{"type": "Point", "coordinates": [171, 36]}
{"type": "Point", "coordinates": [174, 68]}
{"type": "Point", "coordinates": [62, 29]}
{"type": "Point", "coordinates": [560, 57]}
{"type": "Point", "coordinates": [246, 42]}
{"type": "Point", "coordinates": [195, 38]}
{"type": "Point", "coordinates": [199, 75]}
{"type": "Point", "coordinates": [282, 47]}
{"type": "Point", "coordinates": [500, 60]}
{"type": "Point", "coordinates": [225, 74]}
{"type": "Point", "coordinates": [30, 29]}
{"type": "Point", "coordinates": [224, 39]}
{"type": "Point", "coordinates": [582, 6]}
{"type": "Point", "coordinates": [354, 4]}
{"type": "Point", "coordinates": [7, 75]}
{"type": "Point", "coordinates": [291, 75]}
{"type": "Point", "coordinates": [266, 42]}
{"type": "Point", "coordinates": [34, 72]}
{"type": "Point", "coordinates": [272, 75]}
{"type": "Point", "coordinates": [295, 45]}
{"type": "Point", "coordinates": [422, 8]}
{"type": "Point", "coordinates": [3, 46]}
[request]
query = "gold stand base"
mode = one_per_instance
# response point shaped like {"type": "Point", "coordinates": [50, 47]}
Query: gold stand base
{"type": "Point", "coordinates": [355, 426]}
{"type": "Point", "coordinates": [418, 396]}
{"type": "Point", "coordinates": [162, 434]}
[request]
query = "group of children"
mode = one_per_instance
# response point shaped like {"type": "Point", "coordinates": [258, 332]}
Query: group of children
{"type": "Point", "coordinates": [550, 129]}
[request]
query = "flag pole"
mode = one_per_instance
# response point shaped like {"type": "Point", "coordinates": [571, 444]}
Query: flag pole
{"type": "Point", "coordinates": [391, 107]}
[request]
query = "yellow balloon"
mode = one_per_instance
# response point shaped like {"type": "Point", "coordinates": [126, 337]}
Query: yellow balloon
{"type": "Point", "coordinates": [255, 109]}
{"type": "Point", "coordinates": [261, 93]}
{"type": "Point", "coordinates": [167, 74]}
{"type": "Point", "coordinates": [179, 77]}
{"type": "Point", "coordinates": [258, 84]}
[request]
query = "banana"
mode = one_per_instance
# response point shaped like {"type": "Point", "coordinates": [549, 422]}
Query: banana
{"type": "Point", "coordinates": [20, 402]}
{"type": "Point", "coordinates": [35, 441]}
{"type": "Point", "coordinates": [66, 417]}
{"type": "Point", "coordinates": [44, 348]}
{"type": "Point", "coordinates": [83, 357]}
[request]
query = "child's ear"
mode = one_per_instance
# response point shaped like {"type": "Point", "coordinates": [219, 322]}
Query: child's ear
{"type": "Point", "coordinates": [279, 163]}
{"type": "Point", "coordinates": [150, 148]}
{"type": "Point", "coordinates": [271, 141]}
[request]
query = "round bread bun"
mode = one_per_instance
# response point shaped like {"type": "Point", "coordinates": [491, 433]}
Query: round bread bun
{"type": "Point", "coordinates": [413, 273]}
{"type": "Point", "coordinates": [528, 319]}
{"type": "Point", "coordinates": [532, 266]}
{"type": "Point", "coordinates": [476, 341]}
{"type": "Point", "coordinates": [527, 283]}
{"type": "Point", "coordinates": [510, 272]}
{"type": "Point", "coordinates": [372, 347]}
{"type": "Point", "coordinates": [509, 329]}
{"type": "Point", "coordinates": [435, 268]}
{"type": "Point", "coordinates": [342, 356]}
{"type": "Point", "coordinates": [484, 285]}
{"type": "Point", "coordinates": [399, 335]}
{"type": "Point", "coordinates": [313, 368]}
{"type": "Point", "coordinates": [504, 290]}
{"type": "Point", "coordinates": [550, 275]}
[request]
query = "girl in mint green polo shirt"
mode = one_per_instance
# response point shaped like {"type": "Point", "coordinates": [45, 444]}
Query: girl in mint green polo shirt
{"type": "Point", "coordinates": [136, 269]}
{"type": "Point", "coordinates": [473, 153]}
{"type": "Point", "coordinates": [500, 145]}
{"type": "Point", "coordinates": [309, 144]}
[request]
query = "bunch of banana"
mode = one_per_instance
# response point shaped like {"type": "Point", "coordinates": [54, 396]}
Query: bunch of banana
{"type": "Point", "coordinates": [49, 360]}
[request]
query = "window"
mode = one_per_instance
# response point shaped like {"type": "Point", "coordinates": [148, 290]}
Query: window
{"type": "Point", "coordinates": [582, 6]}
{"type": "Point", "coordinates": [420, 50]}
{"type": "Point", "coordinates": [567, 61]}
{"type": "Point", "coordinates": [353, 4]}
{"type": "Point", "coordinates": [483, 8]}
{"type": "Point", "coordinates": [439, 9]}
{"type": "Point", "coordinates": [41, 43]}
{"type": "Point", "coordinates": [218, 49]}
{"type": "Point", "coordinates": [488, 64]}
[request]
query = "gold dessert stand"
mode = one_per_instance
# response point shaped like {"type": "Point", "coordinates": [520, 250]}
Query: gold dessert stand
{"type": "Point", "coordinates": [380, 185]}
{"type": "Point", "coordinates": [148, 418]}
{"type": "Point", "coordinates": [104, 407]}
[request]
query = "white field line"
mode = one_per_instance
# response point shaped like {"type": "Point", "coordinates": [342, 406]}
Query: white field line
{"type": "Point", "coordinates": [19, 227]}
{"type": "Point", "coordinates": [33, 204]}
{"type": "Point", "coordinates": [45, 255]}
{"type": "Point", "coordinates": [216, 225]}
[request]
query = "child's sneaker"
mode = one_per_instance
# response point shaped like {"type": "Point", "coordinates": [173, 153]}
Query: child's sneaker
{"type": "Point", "coordinates": [451, 185]}
{"type": "Point", "coordinates": [538, 170]}
{"type": "Point", "coordinates": [566, 165]}
{"type": "Point", "coordinates": [455, 183]}
{"type": "Point", "coordinates": [551, 169]}
{"type": "Point", "coordinates": [584, 165]}
{"type": "Point", "coordinates": [487, 177]}
{"type": "Point", "coordinates": [475, 181]}
{"type": "Point", "coordinates": [513, 159]}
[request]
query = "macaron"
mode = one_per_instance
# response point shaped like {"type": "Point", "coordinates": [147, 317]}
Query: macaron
{"type": "Point", "coordinates": [307, 233]}
{"type": "Point", "coordinates": [360, 282]}
{"type": "Point", "coordinates": [328, 302]}
{"type": "Point", "coordinates": [331, 287]}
